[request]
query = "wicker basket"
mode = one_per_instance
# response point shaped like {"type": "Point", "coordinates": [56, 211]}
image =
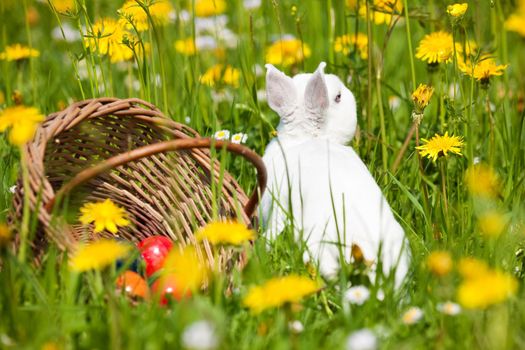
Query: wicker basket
{"type": "Point", "coordinates": [120, 149]}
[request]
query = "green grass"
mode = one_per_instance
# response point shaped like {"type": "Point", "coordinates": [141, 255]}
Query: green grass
{"type": "Point", "coordinates": [48, 303]}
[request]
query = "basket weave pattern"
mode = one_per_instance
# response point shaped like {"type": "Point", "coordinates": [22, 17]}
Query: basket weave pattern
{"type": "Point", "coordinates": [167, 193]}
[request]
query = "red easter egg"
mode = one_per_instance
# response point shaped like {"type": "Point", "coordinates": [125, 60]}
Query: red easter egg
{"type": "Point", "coordinates": [133, 284]}
{"type": "Point", "coordinates": [167, 287]}
{"type": "Point", "coordinates": [154, 251]}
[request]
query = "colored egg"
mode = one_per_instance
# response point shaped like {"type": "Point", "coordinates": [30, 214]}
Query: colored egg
{"type": "Point", "coordinates": [166, 287]}
{"type": "Point", "coordinates": [133, 284]}
{"type": "Point", "coordinates": [154, 251]}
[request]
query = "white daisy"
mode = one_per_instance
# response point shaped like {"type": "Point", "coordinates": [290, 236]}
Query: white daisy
{"type": "Point", "coordinates": [200, 335]}
{"type": "Point", "coordinates": [449, 308]}
{"type": "Point", "coordinates": [239, 138]}
{"type": "Point", "coordinates": [412, 315]}
{"type": "Point", "coordinates": [363, 339]}
{"type": "Point", "coordinates": [222, 135]}
{"type": "Point", "coordinates": [357, 295]}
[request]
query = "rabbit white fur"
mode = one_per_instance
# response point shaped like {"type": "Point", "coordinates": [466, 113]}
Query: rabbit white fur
{"type": "Point", "coordinates": [322, 183]}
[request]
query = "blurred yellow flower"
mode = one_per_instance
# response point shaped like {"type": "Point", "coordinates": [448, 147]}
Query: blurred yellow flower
{"type": "Point", "coordinates": [63, 5]}
{"type": "Point", "coordinates": [22, 122]}
{"type": "Point", "coordinates": [492, 223]}
{"type": "Point", "coordinates": [207, 8]}
{"type": "Point", "coordinates": [348, 42]}
{"type": "Point", "coordinates": [221, 74]}
{"type": "Point", "coordinates": [436, 47]}
{"type": "Point", "coordinates": [482, 181]}
{"type": "Point", "coordinates": [516, 21]}
{"type": "Point", "coordinates": [287, 52]}
{"type": "Point", "coordinates": [186, 46]}
{"type": "Point", "coordinates": [105, 215]}
{"type": "Point", "coordinates": [107, 38]}
{"type": "Point", "coordinates": [382, 10]}
{"type": "Point", "coordinates": [440, 146]}
{"type": "Point", "coordinates": [485, 68]}
{"type": "Point", "coordinates": [98, 255]}
{"type": "Point", "coordinates": [279, 291]}
{"type": "Point", "coordinates": [186, 268]}
{"type": "Point", "coordinates": [225, 232]}
{"type": "Point", "coordinates": [134, 17]}
{"type": "Point", "coordinates": [18, 52]}
{"type": "Point", "coordinates": [421, 97]}
{"type": "Point", "coordinates": [471, 267]}
{"type": "Point", "coordinates": [457, 10]}
{"type": "Point", "coordinates": [439, 263]}
{"type": "Point", "coordinates": [483, 290]}
{"type": "Point", "coordinates": [5, 234]}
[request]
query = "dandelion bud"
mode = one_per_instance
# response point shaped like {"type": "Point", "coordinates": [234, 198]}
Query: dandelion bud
{"type": "Point", "coordinates": [456, 11]}
{"type": "Point", "coordinates": [421, 97]}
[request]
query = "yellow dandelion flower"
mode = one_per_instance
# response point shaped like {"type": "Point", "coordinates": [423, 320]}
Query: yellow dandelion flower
{"type": "Point", "coordinates": [186, 268]}
{"type": "Point", "coordinates": [492, 223]}
{"type": "Point", "coordinates": [485, 68]}
{"type": "Point", "coordinates": [18, 52]}
{"type": "Point", "coordinates": [221, 74]}
{"type": "Point", "coordinates": [107, 38]}
{"type": "Point", "coordinates": [279, 291]}
{"type": "Point", "coordinates": [63, 6]}
{"type": "Point", "coordinates": [482, 181]}
{"type": "Point", "coordinates": [483, 290]}
{"type": "Point", "coordinates": [436, 47]}
{"type": "Point", "coordinates": [382, 11]}
{"type": "Point", "coordinates": [22, 122]}
{"type": "Point", "coordinates": [439, 263]}
{"type": "Point", "coordinates": [421, 97]}
{"type": "Point", "coordinates": [226, 232]}
{"type": "Point", "coordinates": [346, 44]}
{"type": "Point", "coordinates": [516, 23]}
{"type": "Point", "coordinates": [134, 17]}
{"type": "Point", "coordinates": [105, 215]}
{"type": "Point", "coordinates": [98, 255]}
{"type": "Point", "coordinates": [440, 146]}
{"type": "Point", "coordinates": [208, 8]}
{"type": "Point", "coordinates": [457, 10]}
{"type": "Point", "coordinates": [5, 235]}
{"type": "Point", "coordinates": [472, 267]}
{"type": "Point", "coordinates": [287, 52]}
{"type": "Point", "coordinates": [186, 47]}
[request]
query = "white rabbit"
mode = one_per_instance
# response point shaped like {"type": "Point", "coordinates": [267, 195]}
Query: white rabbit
{"type": "Point", "coordinates": [320, 182]}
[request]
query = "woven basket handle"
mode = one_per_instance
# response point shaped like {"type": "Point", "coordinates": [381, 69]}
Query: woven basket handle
{"type": "Point", "coordinates": [173, 145]}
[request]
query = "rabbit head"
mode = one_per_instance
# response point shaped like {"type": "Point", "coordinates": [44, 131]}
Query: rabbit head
{"type": "Point", "coordinates": [312, 105]}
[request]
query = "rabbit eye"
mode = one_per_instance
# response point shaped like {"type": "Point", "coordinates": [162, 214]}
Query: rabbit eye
{"type": "Point", "coordinates": [338, 98]}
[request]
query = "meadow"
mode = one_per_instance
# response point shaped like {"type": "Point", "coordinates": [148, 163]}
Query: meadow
{"type": "Point", "coordinates": [449, 156]}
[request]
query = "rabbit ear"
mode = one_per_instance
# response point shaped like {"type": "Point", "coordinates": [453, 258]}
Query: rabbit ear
{"type": "Point", "coordinates": [316, 93]}
{"type": "Point", "coordinates": [280, 92]}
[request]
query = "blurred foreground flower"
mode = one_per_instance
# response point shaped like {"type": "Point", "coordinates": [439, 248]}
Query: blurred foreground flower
{"type": "Point", "coordinates": [207, 8]}
{"type": "Point", "coordinates": [22, 122]}
{"type": "Point", "coordinates": [279, 291]}
{"type": "Point", "coordinates": [382, 11]}
{"type": "Point", "coordinates": [483, 286]}
{"type": "Point", "coordinates": [134, 16]}
{"type": "Point", "coordinates": [5, 235]}
{"type": "Point", "coordinates": [219, 73]}
{"type": "Point", "coordinates": [439, 262]}
{"type": "Point", "coordinates": [362, 339]}
{"type": "Point", "coordinates": [98, 255]}
{"type": "Point", "coordinates": [18, 52]}
{"type": "Point", "coordinates": [185, 269]}
{"type": "Point", "coordinates": [516, 21]}
{"type": "Point", "coordinates": [347, 42]}
{"type": "Point", "coordinates": [225, 232]}
{"type": "Point", "coordinates": [457, 10]}
{"type": "Point", "coordinates": [439, 146]}
{"type": "Point", "coordinates": [482, 181]}
{"type": "Point", "coordinates": [63, 6]}
{"type": "Point", "coordinates": [412, 315]}
{"type": "Point", "coordinates": [357, 295]}
{"type": "Point", "coordinates": [492, 223]}
{"type": "Point", "coordinates": [200, 335]}
{"type": "Point", "coordinates": [287, 52]}
{"type": "Point", "coordinates": [105, 215]}
{"type": "Point", "coordinates": [436, 47]}
{"type": "Point", "coordinates": [449, 308]}
{"type": "Point", "coordinates": [186, 46]}
{"type": "Point", "coordinates": [421, 97]}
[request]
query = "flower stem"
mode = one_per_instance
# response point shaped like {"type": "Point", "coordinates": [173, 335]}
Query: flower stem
{"type": "Point", "coordinates": [410, 50]}
{"type": "Point", "coordinates": [444, 187]}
